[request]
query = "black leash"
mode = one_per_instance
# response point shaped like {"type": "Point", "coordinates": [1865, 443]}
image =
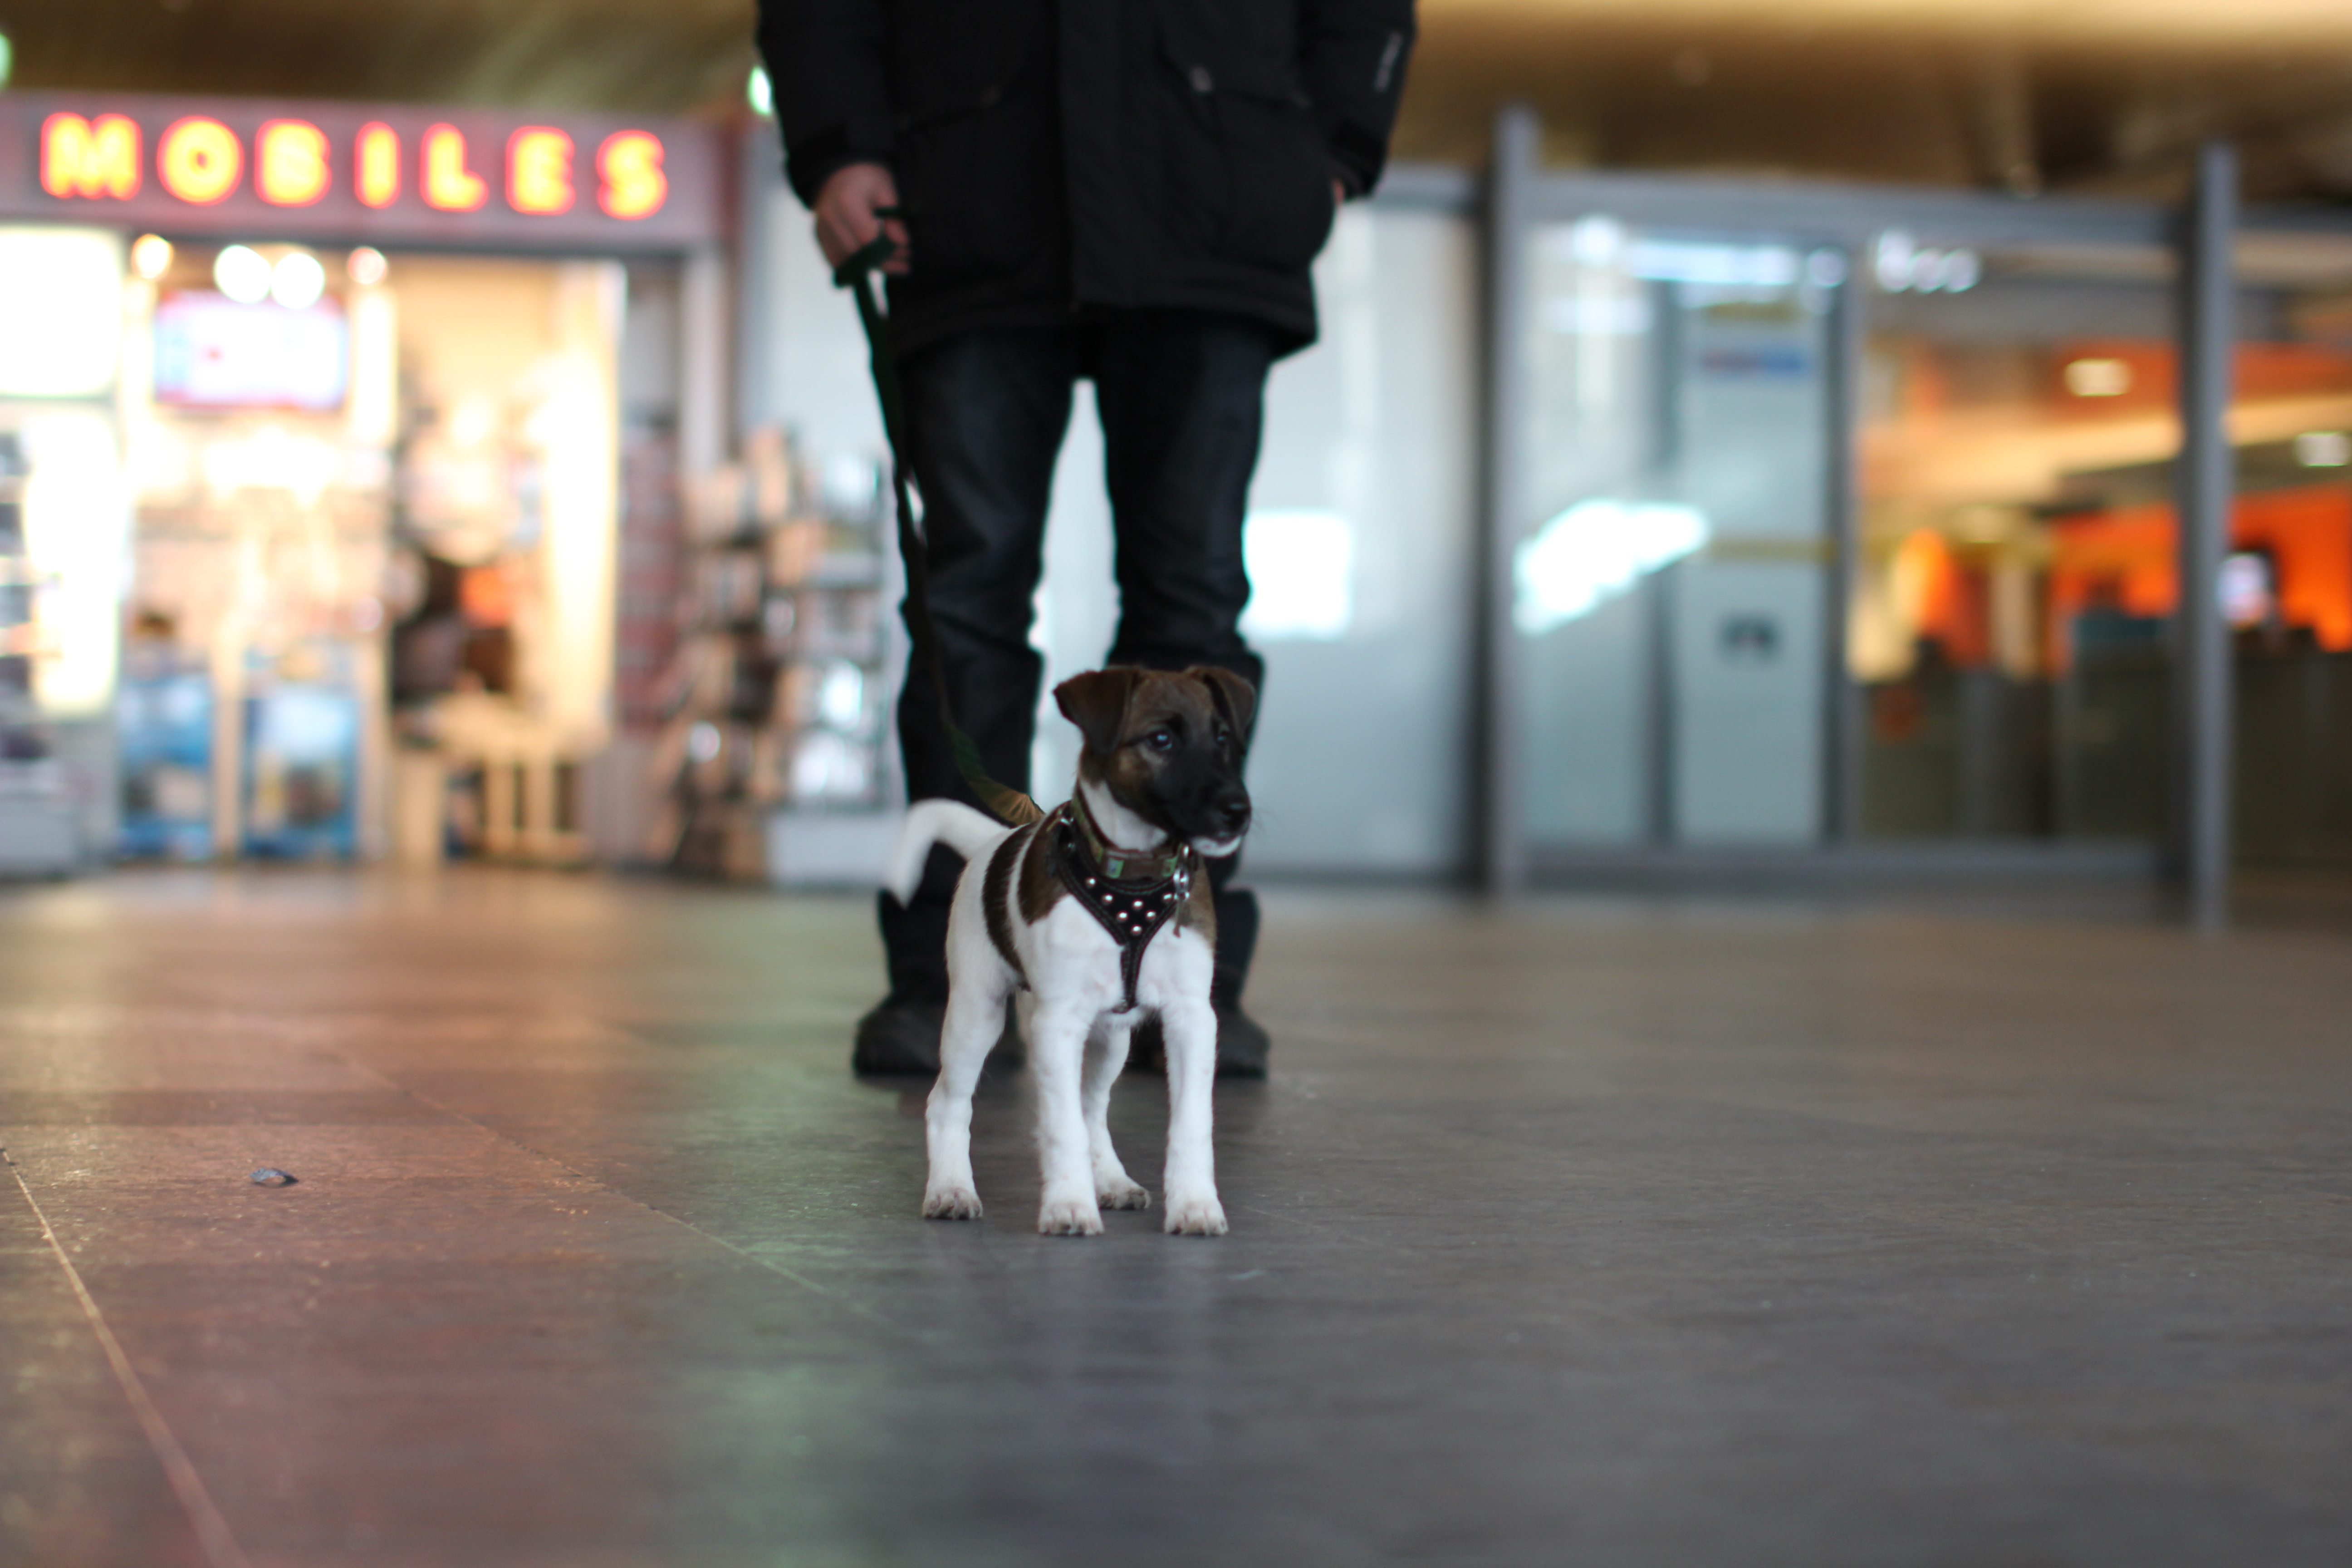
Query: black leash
{"type": "Point", "coordinates": [862, 276]}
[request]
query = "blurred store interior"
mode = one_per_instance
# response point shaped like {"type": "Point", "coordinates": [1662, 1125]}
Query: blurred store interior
{"type": "Point", "coordinates": [444, 441]}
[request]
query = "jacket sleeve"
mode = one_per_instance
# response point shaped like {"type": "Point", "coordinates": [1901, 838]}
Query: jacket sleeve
{"type": "Point", "coordinates": [827, 61]}
{"type": "Point", "coordinates": [1351, 61]}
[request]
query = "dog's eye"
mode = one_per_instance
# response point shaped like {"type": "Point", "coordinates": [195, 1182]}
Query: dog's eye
{"type": "Point", "coordinates": [1224, 736]}
{"type": "Point", "coordinates": [1160, 740]}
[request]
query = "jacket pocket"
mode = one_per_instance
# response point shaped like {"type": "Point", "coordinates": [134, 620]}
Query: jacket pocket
{"type": "Point", "coordinates": [1248, 176]}
{"type": "Point", "coordinates": [969, 212]}
{"type": "Point", "coordinates": [972, 140]}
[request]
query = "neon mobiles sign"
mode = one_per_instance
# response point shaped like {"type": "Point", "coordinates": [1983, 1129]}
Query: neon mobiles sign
{"type": "Point", "coordinates": [200, 161]}
{"type": "Point", "coordinates": [328, 172]}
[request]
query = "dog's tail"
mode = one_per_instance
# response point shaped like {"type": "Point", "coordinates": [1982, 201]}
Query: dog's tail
{"type": "Point", "coordinates": [928, 821]}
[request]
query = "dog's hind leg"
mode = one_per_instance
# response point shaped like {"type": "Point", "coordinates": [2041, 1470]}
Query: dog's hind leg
{"type": "Point", "coordinates": [1106, 1055]}
{"type": "Point", "coordinates": [975, 1015]}
{"type": "Point", "coordinates": [1191, 1029]}
{"type": "Point", "coordinates": [1057, 1048]}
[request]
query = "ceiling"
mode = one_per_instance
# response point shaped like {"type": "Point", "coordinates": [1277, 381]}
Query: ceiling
{"type": "Point", "coordinates": [2020, 94]}
{"type": "Point", "coordinates": [523, 54]}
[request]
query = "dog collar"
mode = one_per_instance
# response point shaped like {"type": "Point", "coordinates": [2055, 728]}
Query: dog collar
{"type": "Point", "coordinates": [1133, 907]}
{"type": "Point", "coordinates": [1118, 864]}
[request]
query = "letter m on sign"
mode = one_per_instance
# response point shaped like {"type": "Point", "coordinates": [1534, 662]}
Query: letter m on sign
{"type": "Point", "coordinates": [94, 158]}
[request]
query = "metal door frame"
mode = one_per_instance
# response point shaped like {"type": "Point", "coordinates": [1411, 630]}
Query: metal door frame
{"type": "Point", "coordinates": [1516, 195]}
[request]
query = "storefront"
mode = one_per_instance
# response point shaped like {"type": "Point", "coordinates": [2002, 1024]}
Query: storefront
{"type": "Point", "coordinates": [1629, 528]}
{"type": "Point", "coordinates": [325, 426]}
{"type": "Point", "coordinates": [1615, 527]}
{"type": "Point", "coordinates": [1837, 527]}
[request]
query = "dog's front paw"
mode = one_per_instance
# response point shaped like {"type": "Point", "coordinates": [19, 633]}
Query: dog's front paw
{"type": "Point", "coordinates": [1069, 1216]}
{"type": "Point", "coordinates": [1123, 1194]}
{"type": "Point", "coordinates": [951, 1202]}
{"type": "Point", "coordinates": [1201, 1215]}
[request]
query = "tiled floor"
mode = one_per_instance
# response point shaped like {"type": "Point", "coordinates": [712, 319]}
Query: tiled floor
{"type": "Point", "coordinates": [1597, 1233]}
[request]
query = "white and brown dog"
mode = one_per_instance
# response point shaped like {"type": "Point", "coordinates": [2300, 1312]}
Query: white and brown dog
{"type": "Point", "coordinates": [1096, 917]}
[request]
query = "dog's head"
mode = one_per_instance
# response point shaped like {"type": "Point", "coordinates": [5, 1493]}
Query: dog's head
{"type": "Point", "coordinates": [1167, 747]}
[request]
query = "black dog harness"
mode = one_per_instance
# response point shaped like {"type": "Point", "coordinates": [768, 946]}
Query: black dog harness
{"type": "Point", "coordinates": [1133, 895]}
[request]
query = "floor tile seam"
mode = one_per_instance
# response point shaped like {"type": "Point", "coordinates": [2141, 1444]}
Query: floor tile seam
{"type": "Point", "coordinates": [218, 1543]}
{"type": "Point", "coordinates": [847, 1303]}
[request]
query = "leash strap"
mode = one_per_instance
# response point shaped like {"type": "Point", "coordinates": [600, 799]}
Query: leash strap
{"type": "Point", "coordinates": [861, 275]}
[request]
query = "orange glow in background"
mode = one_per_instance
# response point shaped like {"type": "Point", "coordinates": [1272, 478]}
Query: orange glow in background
{"type": "Point", "coordinates": [1941, 600]}
{"type": "Point", "coordinates": [448, 183]}
{"type": "Point", "coordinates": [486, 596]}
{"type": "Point", "coordinates": [630, 165]}
{"type": "Point", "coordinates": [539, 170]}
{"type": "Point", "coordinates": [289, 162]}
{"type": "Point", "coordinates": [2125, 558]}
{"type": "Point", "coordinates": [90, 158]}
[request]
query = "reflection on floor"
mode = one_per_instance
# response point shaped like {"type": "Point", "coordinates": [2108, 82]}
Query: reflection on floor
{"type": "Point", "coordinates": [1590, 1233]}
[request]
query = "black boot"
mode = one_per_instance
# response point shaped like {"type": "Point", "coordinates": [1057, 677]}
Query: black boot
{"type": "Point", "coordinates": [901, 1033]}
{"type": "Point", "coordinates": [1242, 1046]}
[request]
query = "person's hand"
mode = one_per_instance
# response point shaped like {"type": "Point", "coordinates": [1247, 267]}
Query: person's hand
{"type": "Point", "coordinates": [845, 219]}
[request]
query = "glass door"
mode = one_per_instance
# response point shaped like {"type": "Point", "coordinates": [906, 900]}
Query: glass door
{"type": "Point", "coordinates": [1671, 584]}
{"type": "Point", "coordinates": [2015, 574]}
{"type": "Point", "coordinates": [2286, 584]}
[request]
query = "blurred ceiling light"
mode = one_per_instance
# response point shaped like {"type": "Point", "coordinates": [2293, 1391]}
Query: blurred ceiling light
{"type": "Point", "coordinates": [825, 767]}
{"type": "Point", "coordinates": [1595, 241]}
{"type": "Point", "coordinates": [367, 266]}
{"type": "Point", "coordinates": [760, 93]}
{"type": "Point", "coordinates": [2323, 448]}
{"type": "Point", "coordinates": [2247, 598]}
{"type": "Point", "coordinates": [1595, 551]}
{"type": "Point", "coordinates": [850, 484]}
{"type": "Point", "coordinates": [8, 60]}
{"type": "Point", "coordinates": [2098, 377]}
{"type": "Point", "coordinates": [841, 696]}
{"type": "Point", "coordinates": [1582, 315]}
{"type": "Point", "coordinates": [298, 281]}
{"type": "Point", "coordinates": [242, 273]}
{"type": "Point", "coordinates": [1724, 266]}
{"type": "Point", "coordinates": [1903, 265]}
{"type": "Point", "coordinates": [151, 255]}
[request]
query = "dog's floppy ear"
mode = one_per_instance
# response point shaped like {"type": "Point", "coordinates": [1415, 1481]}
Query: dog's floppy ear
{"type": "Point", "coordinates": [1097, 703]}
{"type": "Point", "coordinates": [1235, 699]}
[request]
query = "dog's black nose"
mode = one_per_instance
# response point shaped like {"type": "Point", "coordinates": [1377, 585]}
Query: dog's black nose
{"type": "Point", "coordinates": [1233, 809]}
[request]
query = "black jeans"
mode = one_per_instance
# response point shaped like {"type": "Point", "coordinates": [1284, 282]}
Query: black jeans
{"type": "Point", "coordinates": [1181, 396]}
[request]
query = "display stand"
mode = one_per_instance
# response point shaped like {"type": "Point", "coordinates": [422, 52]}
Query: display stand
{"type": "Point", "coordinates": [38, 834]}
{"type": "Point", "coordinates": [774, 701]}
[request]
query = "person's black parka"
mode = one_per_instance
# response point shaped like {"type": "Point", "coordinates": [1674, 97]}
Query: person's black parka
{"type": "Point", "coordinates": [1053, 155]}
